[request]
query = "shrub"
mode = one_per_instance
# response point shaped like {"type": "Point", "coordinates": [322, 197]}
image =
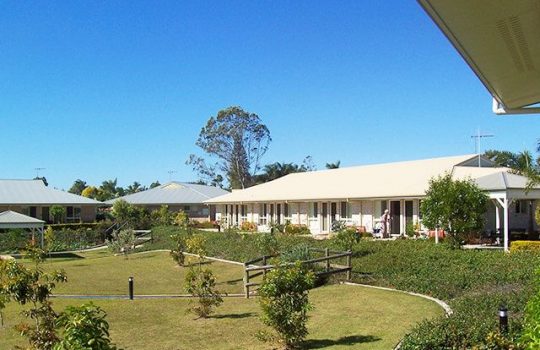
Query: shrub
{"type": "Point", "coordinates": [409, 229]}
{"type": "Point", "coordinates": [530, 337]}
{"type": "Point", "coordinates": [297, 253]}
{"type": "Point", "coordinates": [283, 297]}
{"type": "Point", "coordinates": [267, 244]}
{"type": "Point", "coordinates": [525, 245]}
{"type": "Point", "coordinates": [13, 240]}
{"type": "Point", "coordinates": [338, 225]}
{"type": "Point", "coordinates": [346, 239]}
{"type": "Point", "coordinates": [200, 283]}
{"type": "Point", "coordinates": [294, 229]}
{"type": "Point", "coordinates": [248, 226]}
{"type": "Point", "coordinates": [84, 327]}
{"type": "Point", "coordinates": [57, 212]}
{"type": "Point", "coordinates": [122, 242]}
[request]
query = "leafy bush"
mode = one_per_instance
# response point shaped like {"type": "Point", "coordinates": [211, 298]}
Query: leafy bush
{"type": "Point", "coordinates": [84, 327]}
{"type": "Point", "coordinates": [530, 337]}
{"type": "Point", "coordinates": [248, 226]}
{"type": "Point", "coordinates": [57, 212]}
{"type": "Point", "coordinates": [525, 245]}
{"type": "Point", "coordinates": [338, 225]}
{"type": "Point", "coordinates": [201, 283]}
{"type": "Point", "coordinates": [346, 239]}
{"type": "Point", "coordinates": [203, 224]}
{"type": "Point", "coordinates": [122, 242]}
{"type": "Point", "coordinates": [297, 253]}
{"type": "Point", "coordinates": [267, 244]}
{"type": "Point", "coordinates": [294, 229]}
{"type": "Point", "coordinates": [13, 241]}
{"type": "Point", "coordinates": [283, 297]}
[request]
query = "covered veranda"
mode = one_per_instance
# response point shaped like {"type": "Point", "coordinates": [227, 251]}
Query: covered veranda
{"type": "Point", "coordinates": [13, 220]}
{"type": "Point", "coordinates": [504, 189]}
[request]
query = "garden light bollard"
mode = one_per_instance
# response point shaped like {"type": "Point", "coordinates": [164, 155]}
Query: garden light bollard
{"type": "Point", "coordinates": [503, 320]}
{"type": "Point", "coordinates": [130, 285]}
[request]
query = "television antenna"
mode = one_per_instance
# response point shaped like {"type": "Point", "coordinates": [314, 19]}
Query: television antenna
{"type": "Point", "coordinates": [170, 173]}
{"type": "Point", "coordinates": [38, 170]}
{"type": "Point", "coordinates": [477, 138]}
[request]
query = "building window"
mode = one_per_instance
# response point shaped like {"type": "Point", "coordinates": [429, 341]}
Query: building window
{"type": "Point", "coordinates": [32, 212]}
{"type": "Point", "coordinates": [286, 210]}
{"type": "Point", "coordinates": [262, 214]}
{"type": "Point", "coordinates": [345, 212]}
{"type": "Point", "coordinates": [313, 210]}
{"type": "Point", "coordinates": [522, 207]}
{"type": "Point", "coordinates": [186, 208]}
{"type": "Point", "coordinates": [243, 212]}
{"type": "Point", "coordinates": [73, 214]}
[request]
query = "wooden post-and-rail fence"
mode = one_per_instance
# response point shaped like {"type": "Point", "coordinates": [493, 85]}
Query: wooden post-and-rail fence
{"type": "Point", "coordinates": [252, 269]}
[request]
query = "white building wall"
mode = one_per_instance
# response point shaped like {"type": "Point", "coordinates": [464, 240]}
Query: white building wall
{"type": "Point", "coordinates": [356, 212]}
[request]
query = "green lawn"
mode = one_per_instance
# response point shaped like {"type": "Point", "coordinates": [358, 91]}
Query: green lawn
{"type": "Point", "coordinates": [100, 273]}
{"type": "Point", "coordinates": [344, 317]}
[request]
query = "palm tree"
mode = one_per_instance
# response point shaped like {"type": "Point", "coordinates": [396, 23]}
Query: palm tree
{"type": "Point", "coordinates": [333, 165]}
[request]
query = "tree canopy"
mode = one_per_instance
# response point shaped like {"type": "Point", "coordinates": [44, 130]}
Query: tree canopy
{"type": "Point", "coordinates": [456, 206]}
{"type": "Point", "coordinates": [235, 140]}
{"type": "Point", "coordinates": [77, 187]}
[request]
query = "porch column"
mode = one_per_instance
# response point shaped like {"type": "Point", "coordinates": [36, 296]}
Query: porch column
{"type": "Point", "coordinates": [505, 214]}
{"type": "Point", "coordinates": [497, 218]}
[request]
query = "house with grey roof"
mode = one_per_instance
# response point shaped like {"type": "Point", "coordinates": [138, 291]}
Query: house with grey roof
{"type": "Point", "coordinates": [177, 196]}
{"type": "Point", "coordinates": [33, 198]}
{"type": "Point", "coordinates": [359, 196]}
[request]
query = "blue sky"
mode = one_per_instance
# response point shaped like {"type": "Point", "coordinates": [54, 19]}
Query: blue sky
{"type": "Point", "coordinates": [100, 89]}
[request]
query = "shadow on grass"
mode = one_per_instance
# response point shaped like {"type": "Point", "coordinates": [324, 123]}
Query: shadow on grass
{"type": "Point", "coordinates": [234, 316]}
{"type": "Point", "coordinates": [231, 282]}
{"type": "Point", "coordinates": [194, 264]}
{"type": "Point", "coordinates": [350, 340]}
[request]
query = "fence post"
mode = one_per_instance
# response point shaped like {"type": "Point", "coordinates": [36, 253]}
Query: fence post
{"type": "Point", "coordinates": [246, 280]}
{"type": "Point", "coordinates": [264, 264]}
{"type": "Point", "coordinates": [349, 265]}
{"type": "Point", "coordinates": [327, 254]}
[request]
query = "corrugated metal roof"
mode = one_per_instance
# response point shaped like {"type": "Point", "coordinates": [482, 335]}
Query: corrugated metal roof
{"type": "Point", "coordinates": [35, 192]}
{"type": "Point", "coordinates": [399, 179]}
{"type": "Point", "coordinates": [173, 192]}
{"type": "Point", "coordinates": [12, 217]}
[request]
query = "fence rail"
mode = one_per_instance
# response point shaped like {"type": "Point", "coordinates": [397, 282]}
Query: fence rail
{"type": "Point", "coordinates": [252, 269]}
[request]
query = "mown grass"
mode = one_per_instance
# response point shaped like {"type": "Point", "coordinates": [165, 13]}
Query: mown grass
{"type": "Point", "coordinates": [101, 273]}
{"type": "Point", "coordinates": [475, 283]}
{"type": "Point", "coordinates": [344, 317]}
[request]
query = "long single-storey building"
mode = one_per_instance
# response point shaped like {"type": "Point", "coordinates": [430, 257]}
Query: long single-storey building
{"type": "Point", "coordinates": [178, 196]}
{"type": "Point", "coordinates": [33, 198]}
{"type": "Point", "coordinates": [359, 195]}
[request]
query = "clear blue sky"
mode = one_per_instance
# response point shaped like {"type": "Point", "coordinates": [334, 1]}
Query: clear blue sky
{"type": "Point", "coordinates": [100, 89]}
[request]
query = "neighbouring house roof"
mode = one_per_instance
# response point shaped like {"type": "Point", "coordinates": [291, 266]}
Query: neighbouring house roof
{"type": "Point", "coordinates": [11, 219]}
{"type": "Point", "coordinates": [34, 192]}
{"type": "Point", "coordinates": [389, 180]}
{"type": "Point", "coordinates": [173, 192]}
{"type": "Point", "coordinates": [499, 41]}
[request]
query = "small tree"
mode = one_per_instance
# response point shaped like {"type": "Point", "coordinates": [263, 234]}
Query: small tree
{"type": "Point", "coordinates": [57, 212]}
{"type": "Point", "coordinates": [85, 327]}
{"type": "Point", "coordinates": [50, 239]}
{"type": "Point", "coordinates": [456, 206]}
{"type": "Point", "coordinates": [122, 210]}
{"type": "Point", "coordinates": [196, 245]}
{"type": "Point", "coordinates": [177, 253]}
{"type": "Point", "coordinates": [285, 304]}
{"type": "Point", "coordinates": [32, 286]}
{"type": "Point", "coordinates": [201, 283]}
{"type": "Point", "coordinates": [122, 242]}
